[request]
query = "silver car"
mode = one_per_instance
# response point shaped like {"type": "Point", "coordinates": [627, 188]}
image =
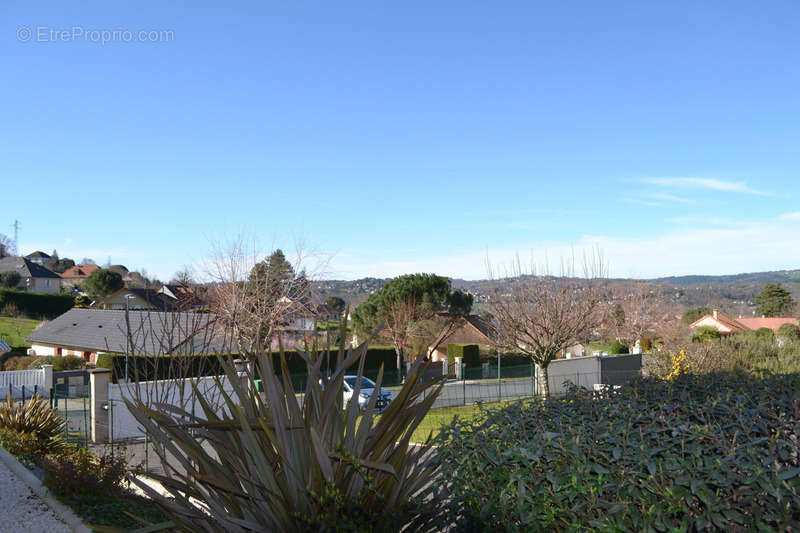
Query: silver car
{"type": "Point", "coordinates": [367, 390]}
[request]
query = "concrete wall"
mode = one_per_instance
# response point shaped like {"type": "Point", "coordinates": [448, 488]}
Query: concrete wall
{"type": "Point", "coordinates": [581, 371]}
{"type": "Point", "coordinates": [176, 393]}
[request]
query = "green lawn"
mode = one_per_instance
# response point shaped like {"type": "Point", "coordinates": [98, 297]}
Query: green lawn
{"type": "Point", "coordinates": [444, 415]}
{"type": "Point", "coordinates": [16, 329]}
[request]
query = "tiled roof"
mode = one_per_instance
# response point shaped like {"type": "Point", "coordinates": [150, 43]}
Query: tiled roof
{"type": "Point", "coordinates": [772, 323]}
{"type": "Point", "coordinates": [79, 271]}
{"type": "Point", "coordinates": [26, 268]}
{"type": "Point", "coordinates": [152, 332]}
{"type": "Point", "coordinates": [37, 255]}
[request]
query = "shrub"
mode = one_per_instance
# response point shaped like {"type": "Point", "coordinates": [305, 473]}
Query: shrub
{"type": "Point", "coordinates": [82, 473]}
{"type": "Point", "coordinates": [618, 348]}
{"type": "Point", "coordinates": [706, 334]}
{"type": "Point", "coordinates": [34, 416]}
{"type": "Point", "coordinates": [59, 362]}
{"type": "Point", "coordinates": [274, 465]}
{"type": "Point", "coordinates": [470, 354]}
{"type": "Point", "coordinates": [147, 367]}
{"type": "Point", "coordinates": [717, 451]}
{"type": "Point", "coordinates": [36, 305]}
{"type": "Point", "coordinates": [764, 333]}
{"type": "Point", "coordinates": [17, 362]}
{"type": "Point", "coordinates": [20, 444]}
{"type": "Point", "coordinates": [10, 279]}
{"type": "Point", "coordinates": [790, 332]}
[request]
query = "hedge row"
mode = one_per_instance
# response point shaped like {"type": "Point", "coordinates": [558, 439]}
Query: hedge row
{"type": "Point", "coordinates": [470, 354]}
{"type": "Point", "coordinates": [710, 452]}
{"type": "Point", "coordinates": [36, 305]}
{"type": "Point", "coordinates": [148, 367]}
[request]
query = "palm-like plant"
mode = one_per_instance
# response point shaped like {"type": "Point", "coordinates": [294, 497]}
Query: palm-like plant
{"type": "Point", "coordinates": [273, 462]}
{"type": "Point", "coordinates": [34, 417]}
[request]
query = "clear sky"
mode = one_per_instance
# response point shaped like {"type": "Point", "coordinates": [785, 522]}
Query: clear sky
{"type": "Point", "coordinates": [416, 136]}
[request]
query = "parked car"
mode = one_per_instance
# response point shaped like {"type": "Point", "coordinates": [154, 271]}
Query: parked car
{"type": "Point", "coordinates": [367, 390]}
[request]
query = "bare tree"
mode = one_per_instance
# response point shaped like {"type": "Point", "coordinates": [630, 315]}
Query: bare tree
{"type": "Point", "coordinates": [256, 295]}
{"type": "Point", "coordinates": [541, 315]}
{"type": "Point", "coordinates": [644, 309]}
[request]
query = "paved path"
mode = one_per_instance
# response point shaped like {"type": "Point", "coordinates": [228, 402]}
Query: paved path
{"type": "Point", "coordinates": [22, 511]}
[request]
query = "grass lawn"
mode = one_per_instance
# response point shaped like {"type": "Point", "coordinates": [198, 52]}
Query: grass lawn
{"type": "Point", "coordinates": [16, 329]}
{"type": "Point", "coordinates": [444, 415]}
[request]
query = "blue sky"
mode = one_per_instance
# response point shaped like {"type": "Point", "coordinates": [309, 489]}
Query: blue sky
{"type": "Point", "coordinates": [416, 136]}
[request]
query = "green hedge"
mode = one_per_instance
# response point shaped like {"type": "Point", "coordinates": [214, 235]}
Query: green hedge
{"type": "Point", "coordinates": [37, 305]}
{"type": "Point", "coordinates": [708, 452]}
{"type": "Point", "coordinates": [165, 367]}
{"type": "Point", "coordinates": [470, 354]}
{"type": "Point", "coordinates": [149, 367]}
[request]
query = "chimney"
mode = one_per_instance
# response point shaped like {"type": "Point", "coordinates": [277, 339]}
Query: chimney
{"type": "Point", "coordinates": [715, 314]}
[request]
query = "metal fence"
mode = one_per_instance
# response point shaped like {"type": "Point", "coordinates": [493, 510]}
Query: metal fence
{"type": "Point", "coordinates": [74, 408]}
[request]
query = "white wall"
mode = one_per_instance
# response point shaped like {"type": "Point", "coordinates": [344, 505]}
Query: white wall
{"type": "Point", "coordinates": [41, 349]}
{"type": "Point", "coordinates": [177, 393]}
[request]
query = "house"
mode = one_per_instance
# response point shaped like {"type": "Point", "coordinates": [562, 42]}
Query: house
{"type": "Point", "coordinates": [76, 274]}
{"type": "Point", "coordinates": [727, 325]}
{"type": "Point", "coordinates": [40, 258]}
{"type": "Point", "coordinates": [33, 276]}
{"type": "Point", "coordinates": [472, 330]}
{"type": "Point", "coordinates": [88, 332]}
{"type": "Point", "coordinates": [148, 299]}
{"type": "Point", "coordinates": [187, 298]}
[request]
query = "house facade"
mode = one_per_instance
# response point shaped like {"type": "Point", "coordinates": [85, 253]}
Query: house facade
{"type": "Point", "coordinates": [86, 333]}
{"type": "Point", "coordinates": [147, 299]}
{"type": "Point", "coordinates": [727, 325]}
{"type": "Point", "coordinates": [472, 330]}
{"type": "Point", "coordinates": [33, 276]}
{"type": "Point", "coordinates": [76, 274]}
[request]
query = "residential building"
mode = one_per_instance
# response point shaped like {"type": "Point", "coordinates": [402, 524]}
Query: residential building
{"type": "Point", "coordinates": [471, 330]}
{"type": "Point", "coordinates": [86, 333]}
{"type": "Point", "coordinates": [33, 276]}
{"type": "Point", "coordinates": [76, 274]}
{"type": "Point", "coordinates": [147, 299]}
{"type": "Point", "coordinates": [727, 325]}
{"type": "Point", "coordinates": [40, 258]}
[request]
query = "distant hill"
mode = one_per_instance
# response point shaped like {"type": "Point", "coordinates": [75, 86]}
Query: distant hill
{"type": "Point", "coordinates": [733, 293]}
{"type": "Point", "coordinates": [781, 276]}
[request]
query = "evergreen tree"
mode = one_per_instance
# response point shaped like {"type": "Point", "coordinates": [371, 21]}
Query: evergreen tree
{"type": "Point", "coordinates": [774, 300]}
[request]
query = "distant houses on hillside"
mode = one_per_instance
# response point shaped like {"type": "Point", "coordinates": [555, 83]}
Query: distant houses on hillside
{"type": "Point", "coordinates": [727, 325]}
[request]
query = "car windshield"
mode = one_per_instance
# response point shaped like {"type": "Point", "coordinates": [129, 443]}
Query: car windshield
{"type": "Point", "coordinates": [366, 383]}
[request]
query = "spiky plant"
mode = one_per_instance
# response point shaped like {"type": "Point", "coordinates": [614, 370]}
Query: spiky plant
{"type": "Point", "coordinates": [34, 417]}
{"type": "Point", "coordinates": [273, 462]}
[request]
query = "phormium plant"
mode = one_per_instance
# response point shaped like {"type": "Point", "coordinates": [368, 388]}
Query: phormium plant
{"type": "Point", "coordinates": [274, 461]}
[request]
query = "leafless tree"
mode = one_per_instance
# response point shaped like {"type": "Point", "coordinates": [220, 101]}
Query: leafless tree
{"type": "Point", "coordinates": [644, 308]}
{"type": "Point", "coordinates": [247, 299]}
{"type": "Point", "coordinates": [541, 314]}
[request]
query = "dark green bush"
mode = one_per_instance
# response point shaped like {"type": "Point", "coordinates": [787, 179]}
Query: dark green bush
{"type": "Point", "coordinates": [714, 451]}
{"type": "Point", "coordinates": [164, 367]}
{"type": "Point", "coordinates": [706, 334]}
{"type": "Point", "coordinates": [764, 333]}
{"type": "Point", "coordinates": [618, 348]}
{"type": "Point", "coordinates": [36, 305]}
{"type": "Point", "coordinates": [470, 354]}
